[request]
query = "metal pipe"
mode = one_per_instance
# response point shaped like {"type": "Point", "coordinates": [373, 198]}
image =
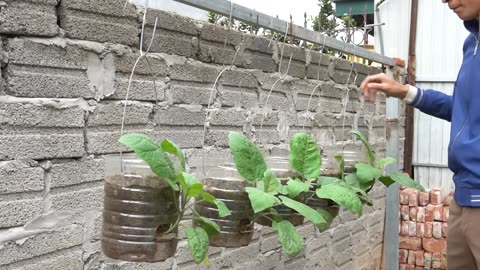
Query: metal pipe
{"type": "Point", "coordinates": [251, 16]}
{"type": "Point", "coordinates": [411, 70]}
{"type": "Point", "coordinates": [377, 22]}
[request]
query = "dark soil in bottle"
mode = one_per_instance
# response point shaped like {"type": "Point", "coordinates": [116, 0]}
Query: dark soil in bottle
{"type": "Point", "coordinates": [237, 229]}
{"type": "Point", "coordinates": [137, 213]}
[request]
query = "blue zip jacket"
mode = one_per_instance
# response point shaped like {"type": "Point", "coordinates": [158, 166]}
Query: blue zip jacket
{"type": "Point", "coordinates": [463, 111]}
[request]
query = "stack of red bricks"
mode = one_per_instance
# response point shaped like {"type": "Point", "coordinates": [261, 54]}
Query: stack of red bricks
{"type": "Point", "coordinates": [423, 229]}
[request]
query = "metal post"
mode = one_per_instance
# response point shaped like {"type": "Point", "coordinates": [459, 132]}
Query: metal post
{"type": "Point", "coordinates": [391, 237]}
{"type": "Point", "coordinates": [247, 15]}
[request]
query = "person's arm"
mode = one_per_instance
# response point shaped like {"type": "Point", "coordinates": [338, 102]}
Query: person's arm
{"type": "Point", "coordinates": [431, 102]}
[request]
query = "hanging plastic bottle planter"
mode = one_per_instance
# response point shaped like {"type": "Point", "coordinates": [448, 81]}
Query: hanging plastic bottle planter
{"type": "Point", "coordinates": [280, 167]}
{"type": "Point", "coordinates": [226, 185]}
{"type": "Point", "coordinates": [139, 207]}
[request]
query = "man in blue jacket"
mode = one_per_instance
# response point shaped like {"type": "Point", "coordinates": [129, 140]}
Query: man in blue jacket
{"type": "Point", "coordinates": [463, 111]}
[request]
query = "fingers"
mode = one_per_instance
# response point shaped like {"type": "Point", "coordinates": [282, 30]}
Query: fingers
{"type": "Point", "coordinates": [372, 84]}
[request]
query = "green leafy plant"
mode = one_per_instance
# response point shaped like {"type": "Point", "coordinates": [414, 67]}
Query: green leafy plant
{"type": "Point", "coordinates": [187, 186]}
{"type": "Point", "coordinates": [267, 191]}
{"type": "Point", "coordinates": [350, 190]}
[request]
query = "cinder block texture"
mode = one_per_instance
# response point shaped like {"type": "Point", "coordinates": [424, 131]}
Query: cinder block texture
{"type": "Point", "coordinates": [102, 21]}
{"type": "Point", "coordinates": [29, 17]}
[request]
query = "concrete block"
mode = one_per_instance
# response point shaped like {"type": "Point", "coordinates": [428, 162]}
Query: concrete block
{"type": "Point", "coordinates": [260, 44]}
{"type": "Point", "coordinates": [194, 72]}
{"type": "Point", "coordinates": [210, 52]}
{"type": "Point", "coordinates": [297, 53]}
{"type": "Point", "coordinates": [175, 35]}
{"type": "Point", "coordinates": [151, 64]}
{"type": "Point", "coordinates": [231, 117]}
{"type": "Point", "coordinates": [64, 259]}
{"type": "Point", "coordinates": [20, 176]}
{"type": "Point", "coordinates": [185, 137]}
{"type": "Point", "coordinates": [107, 114]}
{"type": "Point", "coordinates": [146, 88]}
{"type": "Point", "coordinates": [17, 210]}
{"type": "Point", "coordinates": [29, 18]}
{"type": "Point", "coordinates": [219, 137]}
{"type": "Point", "coordinates": [186, 94]}
{"type": "Point", "coordinates": [276, 100]}
{"type": "Point", "coordinates": [105, 21]}
{"type": "Point", "coordinates": [238, 97]}
{"type": "Point", "coordinates": [112, 265]}
{"type": "Point", "coordinates": [261, 61]}
{"type": "Point", "coordinates": [33, 115]}
{"type": "Point", "coordinates": [240, 255]}
{"type": "Point", "coordinates": [267, 81]}
{"type": "Point", "coordinates": [41, 144]}
{"type": "Point", "coordinates": [83, 197]}
{"type": "Point", "coordinates": [42, 243]}
{"type": "Point", "coordinates": [220, 34]}
{"type": "Point", "coordinates": [58, 71]}
{"type": "Point", "coordinates": [180, 116]}
{"type": "Point", "coordinates": [341, 251]}
{"type": "Point", "coordinates": [104, 140]}
{"type": "Point", "coordinates": [72, 172]}
{"type": "Point", "coordinates": [341, 71]}
{"type": "Point", "coordinates": [239, 79]}
{"type": "Point", "coordinates": [296, 69]}
{"type": "Point", "coordinates": [297, 263]}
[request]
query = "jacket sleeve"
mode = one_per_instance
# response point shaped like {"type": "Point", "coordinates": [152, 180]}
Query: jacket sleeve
{"type": "Point", "coordinates": [434, 103]}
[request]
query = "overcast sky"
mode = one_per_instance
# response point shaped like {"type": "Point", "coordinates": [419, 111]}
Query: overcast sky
{"type": "Point", "coordinates": [271, 7]}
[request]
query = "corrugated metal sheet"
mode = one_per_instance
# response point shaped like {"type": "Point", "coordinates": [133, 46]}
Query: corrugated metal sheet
{"type": "Point", "coordinates": [440, 37]}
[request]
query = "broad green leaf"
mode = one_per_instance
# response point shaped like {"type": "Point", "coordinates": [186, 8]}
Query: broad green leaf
{"type": "Point", "coordinates": [197, 239]}
{"type": "Point", "coordinates": [305, 157]}
{"type": "Point", "coordinates": [223, 210]}
{"type": "Point", "coordinates": [404, 180]}
{"type": "Point", "coordinates": [153, 155]}
{"type": "Point", "coordinates": [326, 180]}
{"type": "Point", "coordinates": [386, 180]}
{"type": "Point", "coordinates": [341, 165]}
{"type": "Point", "coordinates": [295, 187]}
{"type": "Point", "coordinates": [288, 237]}
{"type": "Point", "coordinates": [352, 180]}
{"type": "Point", "coordinates": [248, 158]}
{"type": "Point", "coordinates": [371, 154]}
{"type": "Point", "coordinates": [191, 186]}
{"type": "Point", "coordinates": [327, 217]}
{"type": "Point", "coordinates": [172, 148]}
{"type": "Point", "coordinates": [282, 189]}
{"type": "Point", "coordinates": [304, 210]}
{"type": "Point", "coordinates": [261, 200]}
{"type": "Point", "coordinates": [366, 174]}
{"type": "Point", "coordinates": [384, 162]}
{"type": "Point", "coordinates": [209, 226]}
{"type": "Point", "coordinates": [270, 182]}
{"type": "Point", "coordinates": [342, 195]}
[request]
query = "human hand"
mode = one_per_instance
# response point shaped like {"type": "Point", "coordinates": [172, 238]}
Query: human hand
{"type": "Point", "coordinates": [381, 82]}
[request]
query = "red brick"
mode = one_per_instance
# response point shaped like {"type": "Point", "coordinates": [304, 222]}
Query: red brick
{"type": "Point", "coordinates": [419, 258]}
{"type": "Point", "coordinates": [437, 260]}
{"type": "Point", "coordinates": [433, 245]}
{"type": "Point", "coordinates": [443, 261]}
{"type": "Point", "coordinates": [421, 214]}
{"type": "Point", "coordinates": [410, 267]}
{"type": "Point", "coordinates": [435, 196]}
{"type": "Point", "coordinates": [428, 230]}
{"type": "Point", "coordinates": [445, 214]}
{"type": "Point", "coordinates": [429, 213]}
{"type": "Point", "coordinates": [420, 230]}
{"type": "Point", "coordinates": [444, 229]}
{"type": "Point", "coordinates": [402, 267]}
{"type": "Point", "coordinates": [418, 268]}
{"type": "Point", "coordinates": [404, 228]}
{"type": "Point", "coordinates": [404, 195]}
{"type": "Point", "coordinates": [448, 199]}
{"type": "Point", "coordinates": [405, 212]}
{"type": "Point", "coordinates": [399, 62]}
{"type": "Point", "coordinates": [437, 212]}
{"type": "Point", "coordinates": [412, 228]}
{"type": "Point", "coordinates": [427, 260]}
{"type": "Point", "coordinates": [413, 198]}
{"type": "Point", "coordinates": [410, 243]}
{"type": "Point", "coordinates": [403, 255]}
{"type": "Point", "coordinates": [413, 213]}
{"type": "Point", "coordinates": [411, 257]}
{"type": "Point", "coordinates": [437, 230]}
{"type": "Point", "coordinates": [423, 198]}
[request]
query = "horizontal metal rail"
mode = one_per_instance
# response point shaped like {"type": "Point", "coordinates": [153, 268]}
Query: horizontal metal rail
{"type": "Point", "coordinates": [247, 15]}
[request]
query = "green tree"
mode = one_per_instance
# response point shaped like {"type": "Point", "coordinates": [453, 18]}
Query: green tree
{"type": "Point", "coordinates": [325, 21]}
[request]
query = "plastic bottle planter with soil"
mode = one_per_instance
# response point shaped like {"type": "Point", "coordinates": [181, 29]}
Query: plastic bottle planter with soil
{"type": "Point", "coordinates": [351, 184]}
{"type": "Point", "coordinates": [281, 169]}
{"type": "Point", "coordinates": [145, 204]}
{"type": "Point", "coordinates": [267, 192]}
{"type": "Point", "coordinates": [225, 184]}
{"type": "Point", "coordinates": [138, 209]}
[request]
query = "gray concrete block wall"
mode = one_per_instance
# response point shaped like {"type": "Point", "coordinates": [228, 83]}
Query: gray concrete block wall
{"type": "Point", "coordinates": [65, 71]}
